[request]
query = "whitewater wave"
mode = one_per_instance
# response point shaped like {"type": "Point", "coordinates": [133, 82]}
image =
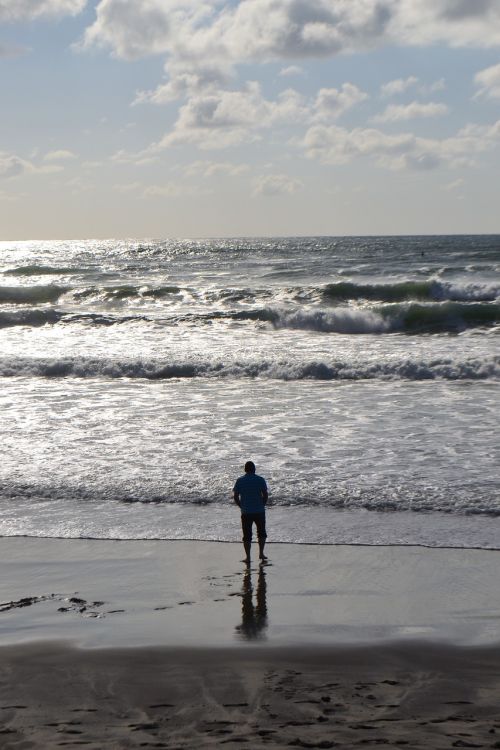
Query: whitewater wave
{"type": "Point", "coordinates": [405, 318]}
{"type": "Point", "coordinates": [99, 499]}
{"type": "Point", "coordinates": [431, 290]}
{"type": "Point", "coordinates": [155, 369]}
{"type": "Point", "coordinates": [445, 317]}
{"type": "Point", "coordinates": [411, 318]}
{"type": "Point", "coordinates": [124, 292]}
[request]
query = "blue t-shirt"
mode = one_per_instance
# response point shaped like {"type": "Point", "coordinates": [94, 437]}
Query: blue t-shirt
{"type": "Point", "coordinates": [250, 488]}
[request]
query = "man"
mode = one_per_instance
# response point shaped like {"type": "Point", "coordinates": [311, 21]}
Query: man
{"type": "Point", "coordinates": [250, 494]}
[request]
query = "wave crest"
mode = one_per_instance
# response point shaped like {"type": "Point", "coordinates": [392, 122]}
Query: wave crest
{"type": "Point", "coordinates": [153, 369]}
{"type": "Point", "coordinates": [31, 295]}
{"type": "Point", "coordinates": [442, 317]}
{"type": "Point", "coordinates": [431, 290]}
{"type": "Point", "coordinates": [40, 270]}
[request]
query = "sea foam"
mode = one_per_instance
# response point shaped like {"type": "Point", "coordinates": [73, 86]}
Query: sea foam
{"type": "Point", "coordinates": [157, 369]}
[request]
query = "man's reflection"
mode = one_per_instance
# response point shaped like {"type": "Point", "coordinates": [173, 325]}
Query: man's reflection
{"type": "Point", "coordinates": [253, 616]}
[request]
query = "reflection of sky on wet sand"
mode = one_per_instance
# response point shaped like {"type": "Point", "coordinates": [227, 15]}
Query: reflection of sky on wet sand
{"type": "Point", "coordinates": [253, 613]}
{"type": "Point", "coordinates": [196, 594]}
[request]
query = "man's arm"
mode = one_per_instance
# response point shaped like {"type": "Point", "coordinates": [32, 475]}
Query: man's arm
{"type": "Point", "coordinates": [265, 495]}
{"type": "Point", "coordinates": [236, 496]}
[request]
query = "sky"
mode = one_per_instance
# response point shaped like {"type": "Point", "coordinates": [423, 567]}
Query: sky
{"type": "Point", "coordinates": [198, 118]}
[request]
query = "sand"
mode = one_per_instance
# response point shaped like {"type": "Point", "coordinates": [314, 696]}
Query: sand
{"type": "Point", "coordinates": [178, 645]}
{"type": "Point", "coordinates": [401, 696]}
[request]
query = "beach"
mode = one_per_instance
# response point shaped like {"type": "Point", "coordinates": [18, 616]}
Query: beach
{"type": "Point", "coordinates": [417, 696]}
{"type": "Point", "coordinates": [360, 374]}
{"type": "Point", "coordinates": [178, 644]}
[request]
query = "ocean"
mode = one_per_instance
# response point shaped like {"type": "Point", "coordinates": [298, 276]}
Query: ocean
{"type": "Point", "coordinates": [360, 374]}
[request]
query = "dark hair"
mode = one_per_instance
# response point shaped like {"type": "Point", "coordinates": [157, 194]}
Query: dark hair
{"type": "Point", "coordinates": [249, 467]}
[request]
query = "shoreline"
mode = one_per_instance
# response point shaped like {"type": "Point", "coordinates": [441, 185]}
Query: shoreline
{"type": "Point", "coordinates": [293, 524]}
{"type": "Point", "coordinates": [274, 543]}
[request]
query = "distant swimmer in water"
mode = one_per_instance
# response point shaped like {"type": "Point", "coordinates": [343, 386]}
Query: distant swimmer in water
{"type": "Point", "coordinates": [250, 494]}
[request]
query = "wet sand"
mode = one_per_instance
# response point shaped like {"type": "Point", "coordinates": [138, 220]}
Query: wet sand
{"type": "Point", "coordinates": [179, 645]}
{"type": "Point", "coordinates": [412, 695]}
{"type": "Point", "coordinates": [181, 593]}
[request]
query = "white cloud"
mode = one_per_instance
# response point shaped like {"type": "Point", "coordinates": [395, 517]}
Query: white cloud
{"type": "Point", "coordinates": [222, 118]}
{"type": "Point", "coordinates": [454, 185]}
{"type": "Point", "coordinates": [12, 166]}
{"type": "Point", "coordinates": [265, 30]}
{"type": "Point", "coordinates": [459, 23]}
{"type": "Point", "coordinates": [204, 42]}
{"type": "Point", "coordinates": [398, 112]}
{"type": "Point", "coordinates": [336, 145]}
{"type": "Point", "coordinates": [438, 85]}
{"type": "Point", "coordinates": [488, 81]}
{"type": "Point", "coordinates": [398, 86]}
{"type": "Point", "coordinates": [285, 29]}
{"type": "Point", "coordinates": [276, 184]}
{"type": "Point", "coordinates": [292, 70]}
{"type": "Point", "coordinates": [332, 103]}
{"type": "Point", "coordinates": [207, 169]}
{"type": "Point", "coordinates": [28, 10]}
{"type": "Point", "coordinates": [186, 78]}
{"type": "Point", "coordinates": [78, 185]}
{"type": "Point", "coordinates": [60, 155]}
{"type": "Point", "coordinates": [219, 118]}
{"type": "Point", "coordinates": [139, 159]}
{"type": "Point", "coordinates": [131, 29]}
{"type": "Point", "coordinates": [401, 85]}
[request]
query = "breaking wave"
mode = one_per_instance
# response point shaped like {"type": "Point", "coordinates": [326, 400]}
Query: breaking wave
{"type": "Point", "coordinates": [445, 317]}
{"type": "Point", "coordinates": [29, 317]}
{"type": "Point", "coordinates": [49, 316]}
{"type": "Point", "coordinates": [155, 369]}
{"type": "Point", "coordinates": [410, 318]}
{"type": "Point", "coordinates": [402, 291]}
{"type": "Point", "coordinates": [432, 290]}
{"type": "Point", "coordinates": [101, 498]}
{"type": "Point", "coordinates": [34, 295]}
{"type": "Point", "coordinates": [124, 292]}
{"type": "Point", "coordinates": [39, 270]}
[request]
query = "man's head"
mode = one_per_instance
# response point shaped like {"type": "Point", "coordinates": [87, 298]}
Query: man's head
{"type": "Point", "coordinates": [249, 467]}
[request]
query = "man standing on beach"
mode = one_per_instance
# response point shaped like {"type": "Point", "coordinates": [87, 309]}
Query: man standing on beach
{"type": "Point", "coordinates": [250, 494]}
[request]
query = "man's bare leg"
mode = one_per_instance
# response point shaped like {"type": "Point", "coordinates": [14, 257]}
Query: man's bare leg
{"type": "Point", "coordinates": [262, 543]}
{"type": "Point", "coordinates": [247, 546]}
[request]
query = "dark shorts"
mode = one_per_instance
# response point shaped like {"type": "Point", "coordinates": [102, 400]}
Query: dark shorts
{"type": "Point", "coordinates": [247, 521]}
